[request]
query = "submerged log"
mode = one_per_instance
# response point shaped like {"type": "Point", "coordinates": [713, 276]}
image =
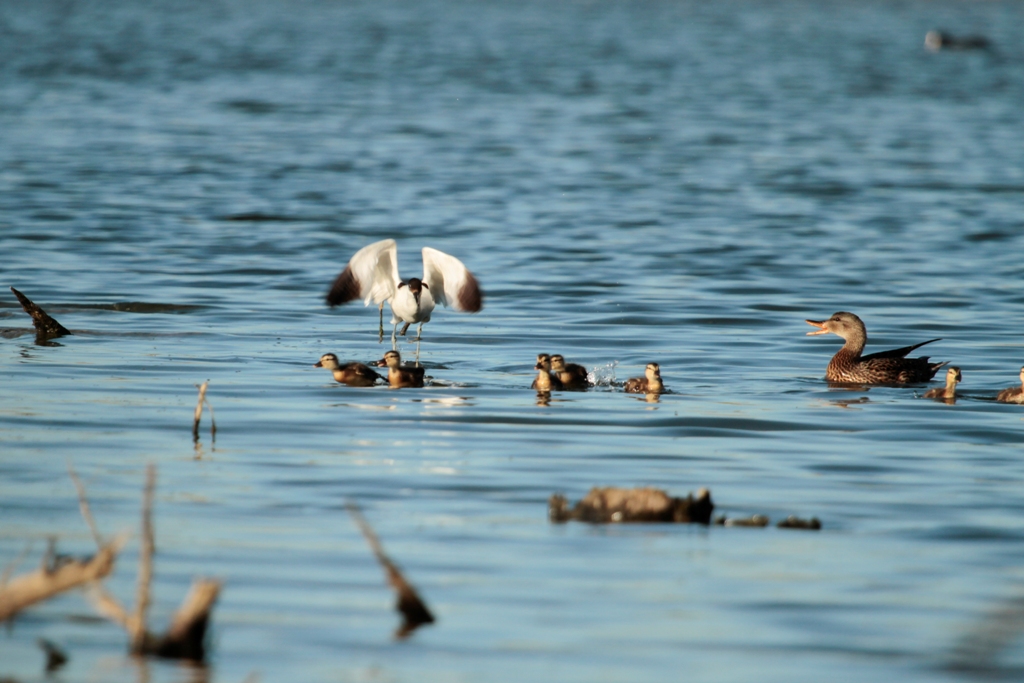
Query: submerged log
{"type": "Point", "coordinates": [613, 505]}
{"type": "Point", "coordinates": [794, 522]}
{"type": "Point", "coordinates": [46, 327]}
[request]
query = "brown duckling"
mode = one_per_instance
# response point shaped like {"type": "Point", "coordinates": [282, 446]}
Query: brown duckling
{"type": "Point", "coordinates": [1013, 394]}
{"type": "Point", "coordinates": [884, 367]}
{"type": "Point", "coordinates": [571, 375]}
{"type": "Point", "coordinates": [399, 376]}
{"type": "Point", "coordinates": [545, 381]}
{"type": "Point", "coordinates": [352, 374]}
{"type": "Point", "coordinates": [947, 392]}
{"type": "Point", "coordinates": [650, 383]}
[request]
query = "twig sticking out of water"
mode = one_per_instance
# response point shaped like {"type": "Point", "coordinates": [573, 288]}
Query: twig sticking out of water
{"type": "Point", "coordinates": [58, 573]}
{"type": "Point", "coordinates": [199, 413]}
{"type": "Point", "coordinates": [186, 637]}
{"type": "Point", "coordinates": [413, 610]}
{"type": "Point", "coordinates": [46, 327]}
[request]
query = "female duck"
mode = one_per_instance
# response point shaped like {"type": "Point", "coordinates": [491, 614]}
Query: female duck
{"type": "Point", "coordinates": [948, 392]}
{"type": "Point", "coordinates": [352, 374]}
{"type": "Point", "coordinates": [398, 376]}
{"type": "Point", "coordinates": [884, 367]}
{"type": "Point", "coordinates": [545, 381]}
{"type": "Point", "coordinates": [571, 375]}
{"type": "Point", "coordinates": [1013, 394]}
{"type": "Point", "coordinates": [650, 383]}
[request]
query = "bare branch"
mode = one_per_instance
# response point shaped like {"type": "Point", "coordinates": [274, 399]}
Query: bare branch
{"type": "Point", "coordinates": [83, 505]}
{"type": "Point", "coordinates": [413, 610]}
{"type": "Point", "coordinates": [146, 546]}
{"type": "Point", "coordinates": [199, 409]}
{"type": "Point", "coordinates": [47, 581]}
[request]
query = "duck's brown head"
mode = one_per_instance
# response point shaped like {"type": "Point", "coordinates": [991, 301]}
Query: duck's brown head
{"type": "Point", "coordinates": [953, 375]}
{"type": "Point", "coordinates": [543, 362]}
{"type": "Point", "coordinates": [846, 325]}
{"type": "Point", "coordinates": [391, 359]}
{"type": "Point", "coordinates": [558, 363]}
{"type": "Point", "coordinates": [328, 360]}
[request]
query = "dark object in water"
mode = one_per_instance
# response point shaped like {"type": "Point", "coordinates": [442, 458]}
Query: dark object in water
{"type": "Point", "coordinates": [413, 610]}
{"type": "Point", "coordinates": [46, 327]}
{"type": "Point", "coordinates": [753, 520]}
{"type": "Point", "coordinates": [940, 40]}
{"type": "Point", "coordinates": [55, 657]}
{"type": "Point", "coordinates": [794, 522]}
{"type": "Point", "coordinates": [612, 505]}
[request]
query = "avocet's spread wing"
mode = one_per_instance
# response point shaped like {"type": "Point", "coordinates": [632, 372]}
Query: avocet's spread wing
{"type": "Point", "coordinates": [450, 282]}
{"type": "Point", "coordinates": [371, 275]}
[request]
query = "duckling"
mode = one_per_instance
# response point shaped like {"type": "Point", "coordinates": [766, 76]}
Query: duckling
{"type": "Point", "coordinates": [352, 374]}
{"type": "Point", "coordinates": [884, 367]}
{"type": "Point", "coordinates": [571, 375]}
{"type": "Point", "coordinates": [372, 275]}
{"type": "Point", "coordinates": [399, 376]}
{"type": "Point", "coordinates": [545, 381]}
{"type": "Point", "coordinates": [1013, 394]}
{"type": "Point", "coordinates": [947, 392]}
{"type": "Point", "coordinates": [650, 383]}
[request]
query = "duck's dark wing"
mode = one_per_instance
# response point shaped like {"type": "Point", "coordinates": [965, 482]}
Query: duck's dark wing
{"type": "Point", "coordinates": [896, 353]}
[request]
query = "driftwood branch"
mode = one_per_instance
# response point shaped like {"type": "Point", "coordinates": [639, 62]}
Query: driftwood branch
{"type": "Point", "coordinates": [186, 638]}
{"type": "Point", "coordinates": [46, 327]}
{"type": "Point", "coordinates": [59, 573]}
{"type": "Point", "coordinates": [53, 578]}
{"type": "Point", "coordinates": [413, 610]}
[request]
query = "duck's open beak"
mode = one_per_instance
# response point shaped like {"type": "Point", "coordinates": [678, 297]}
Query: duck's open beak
{"type": "Point", "coordinates": [538, 366]}
{"type": "Point", "coordinates": [318, 364]}
{"type": "Point", "coordinates": [381, 363]}
{"type": "Point", "coordinates": [817, 323]}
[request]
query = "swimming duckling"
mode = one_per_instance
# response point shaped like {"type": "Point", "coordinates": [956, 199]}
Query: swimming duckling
{"type": "Point", "coordinates": [650, 383]}
{"type": "Point", "coordinates": [372, 275]}
{"type": "Point", "coordinates": [399, 376]}
{"type": "Point", "coordinates": [545, 381]}
{"type": "Point", "coordinates": [352, 374]}
{"type": "Point", "coordinates": [884, 367]}
{"type": "Point", "coordinates": [571, 375]}
{"type": "Point", "coordinates": [1013, 394]}
{"type": "Point", "coordinates": [947, 392]}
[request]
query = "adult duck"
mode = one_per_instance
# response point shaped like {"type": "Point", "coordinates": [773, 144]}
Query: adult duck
{"type": "Point", "coordinates": [884, 367]}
